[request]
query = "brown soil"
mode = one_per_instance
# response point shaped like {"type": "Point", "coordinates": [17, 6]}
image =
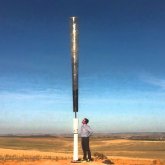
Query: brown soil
{"type": "Point", "coordinates": [116, 161]}
{"type": "Point", "coordinates": [33, 157]}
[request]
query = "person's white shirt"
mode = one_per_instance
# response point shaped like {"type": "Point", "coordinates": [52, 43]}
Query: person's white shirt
{"type": "Point", "coordinates": [86, 131]}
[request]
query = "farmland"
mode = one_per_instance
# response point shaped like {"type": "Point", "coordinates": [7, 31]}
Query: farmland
{"type": "Point", "coordinates": [60, 148]}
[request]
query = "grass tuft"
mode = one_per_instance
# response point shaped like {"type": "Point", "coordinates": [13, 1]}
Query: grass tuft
{"type": "Point", "coordinates": [100, 156]}
{"type": "Point", "coordinates": [7, 157]}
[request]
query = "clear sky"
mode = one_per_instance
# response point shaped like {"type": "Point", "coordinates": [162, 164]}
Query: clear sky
{"type": "Point", "coordinates": [121, 65]}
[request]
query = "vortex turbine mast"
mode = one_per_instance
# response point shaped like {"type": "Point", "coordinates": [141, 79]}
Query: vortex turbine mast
{"type": "Point", "coordinates": [74, 56]}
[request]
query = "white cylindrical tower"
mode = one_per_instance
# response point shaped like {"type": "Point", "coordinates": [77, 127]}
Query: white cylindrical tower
{"type": "Point", "coordinates": [74, 57]}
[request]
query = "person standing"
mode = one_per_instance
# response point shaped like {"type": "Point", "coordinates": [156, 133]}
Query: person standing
{"type": "Point", "coordinates": [86, 132]}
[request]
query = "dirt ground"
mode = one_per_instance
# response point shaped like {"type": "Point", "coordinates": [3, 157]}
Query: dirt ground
{"type": "Point", "coordinates": [38, 157]}
{"type": "Point", "coordinates": [115, 161]}
{"type": "Point", "coordinates": [26, 157]}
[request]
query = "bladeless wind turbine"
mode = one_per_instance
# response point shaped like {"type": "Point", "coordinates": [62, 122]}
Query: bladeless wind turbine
{"type": "Point", "coordinates": [74, 56]}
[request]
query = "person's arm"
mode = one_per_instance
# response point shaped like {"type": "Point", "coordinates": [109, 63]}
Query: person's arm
{"type": "Point", "coordinates": [90, 130]}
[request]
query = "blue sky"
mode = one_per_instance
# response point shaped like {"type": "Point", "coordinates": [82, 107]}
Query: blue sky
{"type": "Point", "coordinates": [121, 65]}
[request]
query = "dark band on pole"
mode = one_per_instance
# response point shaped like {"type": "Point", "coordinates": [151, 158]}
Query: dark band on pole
{"type": "Point", "coordinates": [75, 100]}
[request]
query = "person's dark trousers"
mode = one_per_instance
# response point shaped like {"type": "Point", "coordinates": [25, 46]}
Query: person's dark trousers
{"type": "Point", "coordinates": [85, 147]}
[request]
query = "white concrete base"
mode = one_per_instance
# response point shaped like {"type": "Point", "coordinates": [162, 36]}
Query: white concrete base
{"type": "Point", "coordinates": [75, 143]}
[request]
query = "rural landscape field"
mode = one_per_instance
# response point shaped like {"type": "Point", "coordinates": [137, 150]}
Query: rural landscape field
{"type": "Point", "coordinates": [52, 150]}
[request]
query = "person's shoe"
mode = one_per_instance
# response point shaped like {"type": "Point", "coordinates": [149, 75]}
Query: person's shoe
{"type": "Point", "coordinates": [89, 160]}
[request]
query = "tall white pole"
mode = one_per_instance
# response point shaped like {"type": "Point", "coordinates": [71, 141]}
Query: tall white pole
{"type": "Point", "coordinates": [74, 56]}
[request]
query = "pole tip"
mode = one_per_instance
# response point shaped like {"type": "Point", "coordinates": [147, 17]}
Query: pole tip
{"type": "Point", "coordinates": [73, 17]}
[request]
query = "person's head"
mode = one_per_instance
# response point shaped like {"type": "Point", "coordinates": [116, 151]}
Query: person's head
{"type": "Point", "coordinates": [85, 121]}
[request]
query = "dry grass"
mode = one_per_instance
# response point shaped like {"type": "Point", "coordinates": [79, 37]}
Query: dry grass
{"type": "Point", "coordinates": [28, 149]}
{"type": "Point", "coordinates": [10, 154]}
{"type": "Point", "coordinates": [130, 148]}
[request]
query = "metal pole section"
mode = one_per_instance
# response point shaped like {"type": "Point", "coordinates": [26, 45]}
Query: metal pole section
{"type": "Point", "coordinates": [74, 56]}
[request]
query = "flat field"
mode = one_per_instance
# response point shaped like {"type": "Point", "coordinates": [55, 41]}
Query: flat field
{"type": "Point", "coordinates": [58, 150]}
